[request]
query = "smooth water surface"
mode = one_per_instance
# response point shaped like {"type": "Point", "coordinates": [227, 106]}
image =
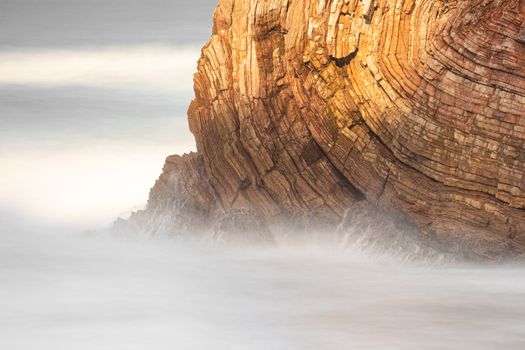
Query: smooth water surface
{"type": "Point", "coordinates": [99, 291]}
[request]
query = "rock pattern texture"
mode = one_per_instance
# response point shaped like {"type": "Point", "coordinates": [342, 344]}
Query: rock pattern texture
{"type": "Point", "coordinates": [304, 107]}
{"type": "Point", "coordinates": [180, 200]}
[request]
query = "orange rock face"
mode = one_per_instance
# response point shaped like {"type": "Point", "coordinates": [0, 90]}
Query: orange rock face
{"type": "Point", "coordinates": [304, 107]}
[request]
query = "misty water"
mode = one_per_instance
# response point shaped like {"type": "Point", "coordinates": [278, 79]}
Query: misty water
{"type": "Point", "coordinates": [93, 96]}
{"type": "Point", "coordinates": [72, 290]}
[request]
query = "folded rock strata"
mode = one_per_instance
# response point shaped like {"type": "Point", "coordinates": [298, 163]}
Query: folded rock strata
{"type": "Point", "coordinates": [305, 107]}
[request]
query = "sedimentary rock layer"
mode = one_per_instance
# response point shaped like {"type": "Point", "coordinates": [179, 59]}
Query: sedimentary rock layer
{"type": "Point", "coordinates": [304, 107]}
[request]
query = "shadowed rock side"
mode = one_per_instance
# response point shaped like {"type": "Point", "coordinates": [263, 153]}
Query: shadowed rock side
{"type": "Point", "coordinates": [181, 200]}
{"type": "Point", "coordinates": [304, 107]}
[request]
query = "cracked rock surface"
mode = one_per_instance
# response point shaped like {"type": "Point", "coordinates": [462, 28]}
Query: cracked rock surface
{"type": "Point", "coordinates": [305, 107]}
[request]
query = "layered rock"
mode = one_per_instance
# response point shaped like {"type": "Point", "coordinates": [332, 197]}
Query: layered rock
{"type": "Point", "coordinates": [180, 200]}
{"type": "Point", "coordinates": [304, 107]}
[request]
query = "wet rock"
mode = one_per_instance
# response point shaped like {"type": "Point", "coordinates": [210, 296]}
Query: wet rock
{"type": "Point", "coordinates": [241, 226]}
{"type": "Point", "coordinates": [181, 203]}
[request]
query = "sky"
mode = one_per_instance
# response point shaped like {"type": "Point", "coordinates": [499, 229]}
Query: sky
{"type": "Point", "coordinates": [93, 97]}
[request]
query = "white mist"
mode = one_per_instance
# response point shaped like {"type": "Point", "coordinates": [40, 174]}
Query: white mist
{"type": "Point", "coordinates": [98, 291]}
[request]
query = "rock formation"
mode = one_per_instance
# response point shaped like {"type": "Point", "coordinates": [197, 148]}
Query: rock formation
{"type": "Point", "coordinates": [304, 107]}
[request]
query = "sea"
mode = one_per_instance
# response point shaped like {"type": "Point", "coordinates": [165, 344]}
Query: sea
{"type": "Point", "coordinates": [93, 97]}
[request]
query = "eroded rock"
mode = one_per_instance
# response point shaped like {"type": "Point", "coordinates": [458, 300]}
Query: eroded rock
{"type": "Point", "coordinates": [304, 107]}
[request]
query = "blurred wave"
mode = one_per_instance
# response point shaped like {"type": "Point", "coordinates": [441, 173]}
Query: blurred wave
{"type": "Point", "coordinates": [84, 132]}
{"type": "Point", "coordinates": [93, 97]}
{"type": "Point", "coordinates": [148, 66]}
